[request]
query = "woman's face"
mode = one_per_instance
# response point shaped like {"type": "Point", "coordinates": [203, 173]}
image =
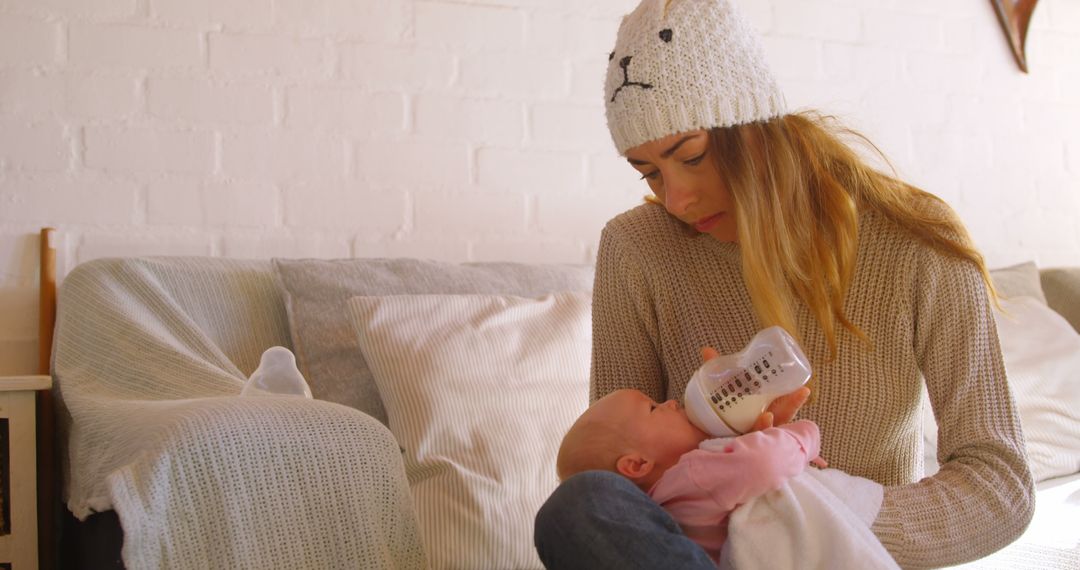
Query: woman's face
{"type": "Point", "coordinates": [683, 176]}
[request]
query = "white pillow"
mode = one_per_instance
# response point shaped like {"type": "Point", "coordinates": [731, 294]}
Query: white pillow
{"type": "Point", "coordinates": [1018, 280]}
{"type": "Point", "coordinates": [479, 390]}
{"type": "Point", "coordinates": [1042, 359]}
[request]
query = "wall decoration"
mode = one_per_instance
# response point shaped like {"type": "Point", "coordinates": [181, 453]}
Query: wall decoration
{"type": "Point", "coordinates": [1015, 15]}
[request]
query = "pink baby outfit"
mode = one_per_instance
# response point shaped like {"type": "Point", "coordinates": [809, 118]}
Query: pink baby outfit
{"type": "Point", "coordinates": [702, 489]}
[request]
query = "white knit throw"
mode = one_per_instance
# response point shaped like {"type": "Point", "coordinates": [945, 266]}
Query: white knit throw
{"type": "Point", "coordinates": [150, 358]}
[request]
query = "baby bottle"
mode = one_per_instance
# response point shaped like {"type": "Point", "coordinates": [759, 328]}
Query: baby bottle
{"type": "Point", "coordinates": [276, 375]}
{"type": "Point", "coordinates": [728, 393]}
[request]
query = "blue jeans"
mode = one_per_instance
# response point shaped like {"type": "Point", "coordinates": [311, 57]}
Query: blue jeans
{"type": "Point", "coordinates": [597, 519]}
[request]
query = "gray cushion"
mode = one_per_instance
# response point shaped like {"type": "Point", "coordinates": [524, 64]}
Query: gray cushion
{"type": "Point", "coordinates": [323, 338]}
{"type": "Point", "coordinates": [1062, 287]}
{"type": "Point", "coordinates": [1018, 280]}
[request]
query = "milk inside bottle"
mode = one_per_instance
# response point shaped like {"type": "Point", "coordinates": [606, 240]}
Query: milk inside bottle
{"type": "Point", "coordinates": [728, 393]}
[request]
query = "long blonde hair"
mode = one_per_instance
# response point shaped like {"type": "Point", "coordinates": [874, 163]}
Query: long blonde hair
{"type": "Point", "coordinates": [798, 188]}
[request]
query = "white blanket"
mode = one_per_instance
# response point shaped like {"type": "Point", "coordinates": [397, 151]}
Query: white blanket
{"type": "Point", "coordinates": [819, 519]}
{"type": "Point", "coordinates": [1051, 541]}
{"type": "Point", "coordinates": [150, 359]}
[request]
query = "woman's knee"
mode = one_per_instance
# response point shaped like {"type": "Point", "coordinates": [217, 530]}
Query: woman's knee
{"type": "Point", "coordinates": [575, 511]}
{"type": "Point", "coordinates": [599, 519]}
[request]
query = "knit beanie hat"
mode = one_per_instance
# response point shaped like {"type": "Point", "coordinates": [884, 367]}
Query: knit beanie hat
{"type": "Point", "coordinates": [683, 65]}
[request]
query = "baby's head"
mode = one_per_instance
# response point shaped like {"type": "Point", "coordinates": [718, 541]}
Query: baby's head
{"type": "Point", "coordinates": [627, 432]}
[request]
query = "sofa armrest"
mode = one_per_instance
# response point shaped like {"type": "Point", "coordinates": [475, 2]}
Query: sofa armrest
{"type": "Point", "coordinates": [261, 482]}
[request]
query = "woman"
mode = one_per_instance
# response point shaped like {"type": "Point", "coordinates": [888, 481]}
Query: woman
{"type": "Point", "coordinates": [761, 217]}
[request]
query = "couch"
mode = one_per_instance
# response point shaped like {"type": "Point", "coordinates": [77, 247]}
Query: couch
{"type": "Point", "coordinates": [150, 356]}
{"type": "Point", "coordinates": [441, 391]}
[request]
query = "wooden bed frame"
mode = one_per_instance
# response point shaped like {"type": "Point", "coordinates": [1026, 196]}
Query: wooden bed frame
{"type": "Point", "coordinates": [48, 479]}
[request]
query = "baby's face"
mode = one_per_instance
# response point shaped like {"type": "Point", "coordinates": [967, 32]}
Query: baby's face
{"type": "Point", "coordinates": [660, 431]}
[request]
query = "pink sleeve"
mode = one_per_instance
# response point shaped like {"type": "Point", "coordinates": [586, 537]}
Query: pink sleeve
{"type": "Point", "coordinates": [754, 463]}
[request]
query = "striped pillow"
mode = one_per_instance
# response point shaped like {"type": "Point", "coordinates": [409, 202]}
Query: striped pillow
{"type": "Point", "coordinates": [479, 390]}
{"type": "Point", "coordinates": [1042, 359]}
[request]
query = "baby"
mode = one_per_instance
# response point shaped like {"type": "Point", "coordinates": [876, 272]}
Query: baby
{"type": "Point", "coordinates": [697, 479]}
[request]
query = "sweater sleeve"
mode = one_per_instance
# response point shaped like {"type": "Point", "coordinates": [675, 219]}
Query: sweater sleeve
{"type": "Point", "coordinates": [983, 496]}
{"type": "Point", "coordinates": [625, 350]}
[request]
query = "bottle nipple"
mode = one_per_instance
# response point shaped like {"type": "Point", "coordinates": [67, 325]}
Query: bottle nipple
{"type": "Point", "coordinates": [277, 375]}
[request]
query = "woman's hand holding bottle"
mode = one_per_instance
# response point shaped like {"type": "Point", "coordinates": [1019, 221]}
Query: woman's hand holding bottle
{"type": "Point", "coordinates": [781, 411]}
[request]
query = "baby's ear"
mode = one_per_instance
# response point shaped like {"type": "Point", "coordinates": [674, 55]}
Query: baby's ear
{"type": "Point", "coordinates": [634, 466]}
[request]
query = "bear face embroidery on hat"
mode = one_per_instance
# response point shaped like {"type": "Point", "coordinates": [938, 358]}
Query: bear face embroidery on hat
{"type": "Point", "coordinates": [624, 63]}
{"type": "Point", "coordinates": [681, 65]}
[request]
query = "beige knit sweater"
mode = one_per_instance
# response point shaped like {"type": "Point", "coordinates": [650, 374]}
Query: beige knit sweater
{"type": "Point", "coordinates": [662, 293]}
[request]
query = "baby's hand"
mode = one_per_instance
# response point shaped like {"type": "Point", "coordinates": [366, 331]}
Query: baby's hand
{"type": "Point", "coordinates": [819, 462]}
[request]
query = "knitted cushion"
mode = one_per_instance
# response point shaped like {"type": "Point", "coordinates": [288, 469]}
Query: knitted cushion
{"type": "Point", "coordinates": [315, 291]}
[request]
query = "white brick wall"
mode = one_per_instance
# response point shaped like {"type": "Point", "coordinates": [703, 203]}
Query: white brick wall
{"type": "Point", "coordinates": [467, 129]}
{"type": "Point", "coordinates": [28, 41]}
